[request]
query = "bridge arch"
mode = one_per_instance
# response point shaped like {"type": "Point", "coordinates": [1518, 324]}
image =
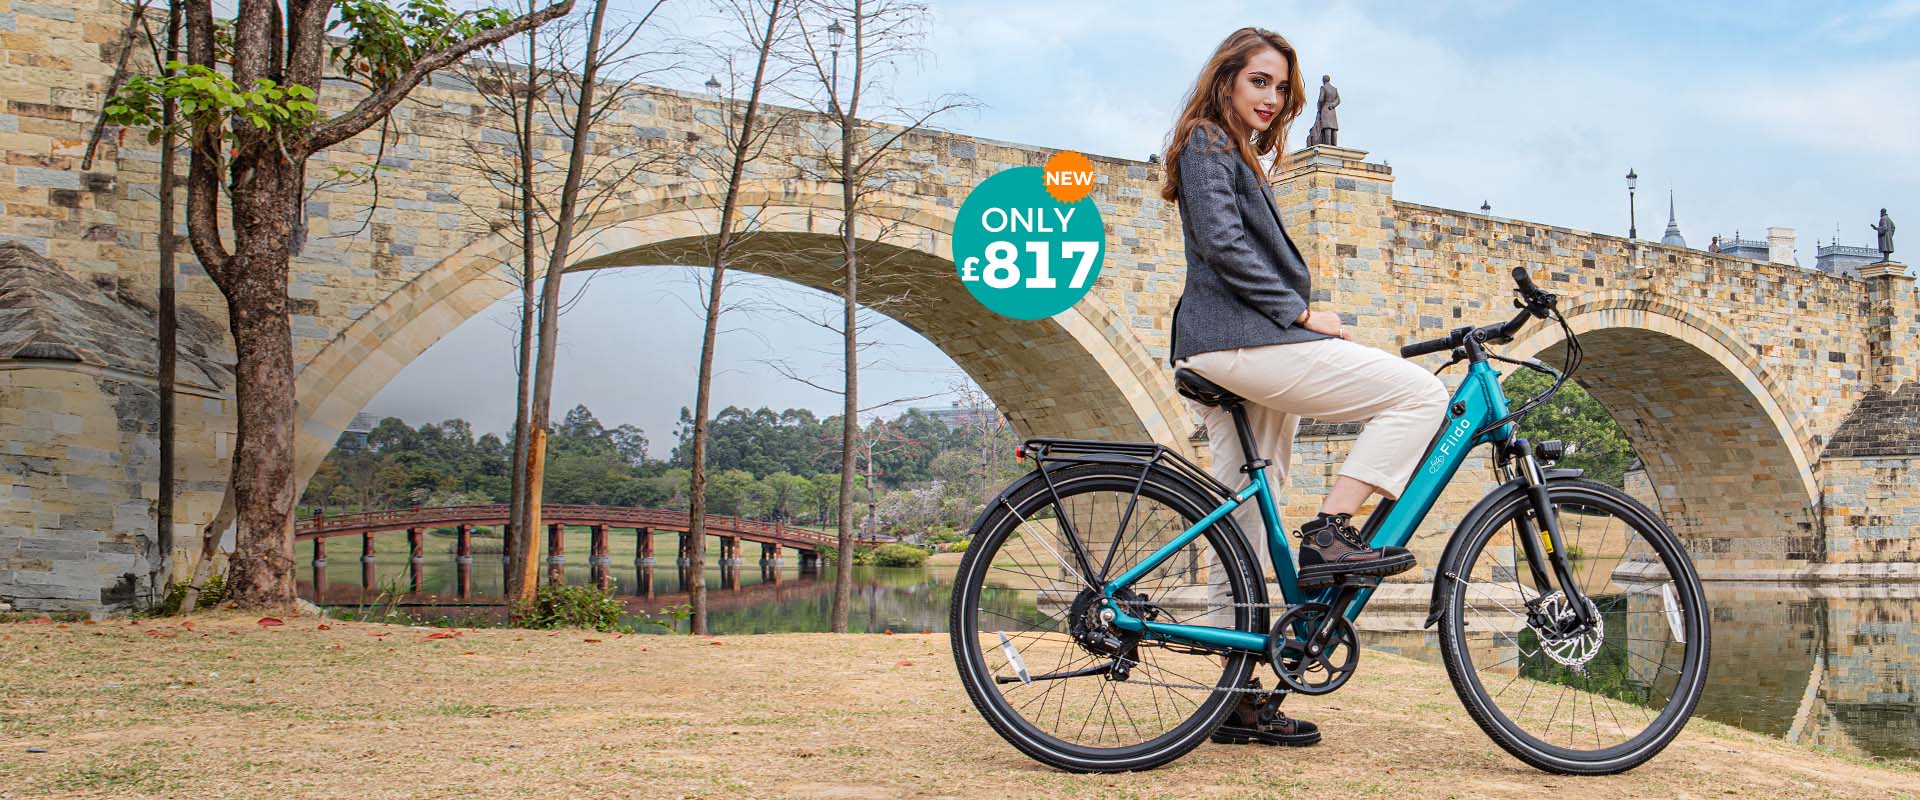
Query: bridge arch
{"type": "Point", "coordinates": [1079, 373]}
{"type": "Point", "coordinates": [1730, 465]}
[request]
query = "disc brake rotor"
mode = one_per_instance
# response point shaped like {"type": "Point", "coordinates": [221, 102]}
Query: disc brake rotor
{"type": "Point", "coordinates": [1574, 649]}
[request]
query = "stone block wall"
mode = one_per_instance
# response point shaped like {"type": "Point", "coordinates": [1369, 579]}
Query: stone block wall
{"type": "Point", "coordinates": [79, 462]}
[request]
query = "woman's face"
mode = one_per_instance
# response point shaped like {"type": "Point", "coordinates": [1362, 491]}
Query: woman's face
{"type": "Point", "coordinates": [1260, 90]}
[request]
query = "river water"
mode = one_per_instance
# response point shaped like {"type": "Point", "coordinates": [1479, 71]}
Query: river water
{"type": "Point", "coordinates": [1836, 666]}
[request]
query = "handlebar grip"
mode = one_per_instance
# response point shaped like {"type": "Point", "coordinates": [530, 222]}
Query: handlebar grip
{"type": "Point", "coordinates": [1439, 345]}
{"type": "Point", "coordinates": [1525, 282]}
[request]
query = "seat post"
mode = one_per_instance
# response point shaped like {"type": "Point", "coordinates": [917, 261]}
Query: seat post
{"type": "Point", "coordinates": [1250, 454]}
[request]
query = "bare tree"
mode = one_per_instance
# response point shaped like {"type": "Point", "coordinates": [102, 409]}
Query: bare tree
{"type": "Point", "coordinates": [883, 34]}
{"type": "Point", "coordinates": [256, 121]}
{"type": "Point", "coordinates": [530, 95]}
{"type": "Point", "coordinates": [754, 30]}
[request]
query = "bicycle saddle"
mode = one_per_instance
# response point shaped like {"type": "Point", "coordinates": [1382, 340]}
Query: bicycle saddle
{"type": "Point", "coordinates": [1204, 391]}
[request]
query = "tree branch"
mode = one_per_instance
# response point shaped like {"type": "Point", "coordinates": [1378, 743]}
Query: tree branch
{"type": "Point", "coordinates": [375, 106]}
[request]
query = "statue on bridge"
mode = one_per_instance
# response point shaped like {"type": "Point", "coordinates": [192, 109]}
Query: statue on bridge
{"type": "Point", "coordinates": [1885, 231]}
{"type": "Point", "coordinates": [1326, 123]}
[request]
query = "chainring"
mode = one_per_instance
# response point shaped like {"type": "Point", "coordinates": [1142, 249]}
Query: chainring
{"type": "Point", "coordinates": [1318, 666]}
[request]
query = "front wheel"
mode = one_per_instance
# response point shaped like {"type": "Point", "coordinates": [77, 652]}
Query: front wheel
{"type": "Point", "coordinates": [1593, 701]}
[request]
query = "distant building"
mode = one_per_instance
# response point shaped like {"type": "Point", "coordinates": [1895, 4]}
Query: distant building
{"type": "Point", "coordinates": [1843, 259]}
{"type": "Point", "coordinates": [955, 416]}
{"type": "Point", "coordinates": [1672, 236]}
{"type": "Point", "coordinates": [354, 438]}
{"type": "Point", "coordinates": [1778, 247]}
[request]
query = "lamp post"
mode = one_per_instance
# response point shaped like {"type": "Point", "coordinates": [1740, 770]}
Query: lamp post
{"type": "Point", "coordinates": [1633, 226]}
{"type": "Point", "coordinates": [713, 85]}
{"type": "Point", "coordinates": [835, 32]}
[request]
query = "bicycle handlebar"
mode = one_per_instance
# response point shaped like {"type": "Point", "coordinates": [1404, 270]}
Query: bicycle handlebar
{"type": "Point", "coordinates": [1532, 302]}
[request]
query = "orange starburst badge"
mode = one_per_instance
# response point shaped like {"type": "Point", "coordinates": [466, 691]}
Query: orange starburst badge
{"type": "Point", "coordinates": [1069, 177]}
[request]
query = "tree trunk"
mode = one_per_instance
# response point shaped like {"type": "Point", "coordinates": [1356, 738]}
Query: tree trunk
{"type": "Point", "coordinates": [850, 411]}
{"type": "Point", "coordinates": [520, 552]}
{"type": "Point", "coordinates": [256, 289]}
{"type": "Point", "coordinates": [703, 390]}
{"type": "Point", "coordinates": [162, 570]}
{"type": "Point", "coordinates": [526, 529]}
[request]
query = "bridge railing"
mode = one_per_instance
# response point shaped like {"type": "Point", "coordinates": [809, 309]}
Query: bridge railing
{"type": "Point", "coordinates": [563, 514]}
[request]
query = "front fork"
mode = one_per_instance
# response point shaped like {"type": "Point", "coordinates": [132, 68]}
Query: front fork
{"type": "Point", "coordinates": [1555, 555]}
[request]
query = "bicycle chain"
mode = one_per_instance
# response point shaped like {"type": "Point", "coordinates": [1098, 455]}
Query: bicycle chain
{"type": "Point", "coordinates": [1165, 685]}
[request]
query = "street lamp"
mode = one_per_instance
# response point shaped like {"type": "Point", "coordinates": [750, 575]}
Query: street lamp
{"type": "Point", "coordinates": [713, 85]}
{"type": "Point", "coordinates": [835, 33]}
{"type": "Point", "coordinates": [1633, 227]}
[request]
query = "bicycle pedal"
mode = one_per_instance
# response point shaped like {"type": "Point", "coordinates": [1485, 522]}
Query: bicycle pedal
{"type": "Point", "coordinates": [1358, 581]}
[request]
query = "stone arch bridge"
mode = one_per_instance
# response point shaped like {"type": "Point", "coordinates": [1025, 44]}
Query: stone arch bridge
{"type": "Point", "coordinates": [1773, 406]}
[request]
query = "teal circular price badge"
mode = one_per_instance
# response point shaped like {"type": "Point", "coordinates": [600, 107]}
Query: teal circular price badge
{"type": "Point", "coordinates": [1023, 253]}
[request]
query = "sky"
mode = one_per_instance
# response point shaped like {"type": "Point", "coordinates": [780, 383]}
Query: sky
{"type": "Point", "coordinates": [1754, 114]}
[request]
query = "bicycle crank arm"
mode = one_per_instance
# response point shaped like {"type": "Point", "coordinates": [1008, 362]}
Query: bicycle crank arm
{"type": "Point", "coordinates": [1097, 669]}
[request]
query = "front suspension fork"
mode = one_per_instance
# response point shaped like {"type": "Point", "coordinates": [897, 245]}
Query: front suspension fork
{"type": "Point", "coordinates": [1555, 555]}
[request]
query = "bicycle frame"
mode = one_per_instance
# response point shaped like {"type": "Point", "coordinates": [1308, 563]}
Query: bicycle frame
{"type": "Point", "coordinates": [1477, 404]}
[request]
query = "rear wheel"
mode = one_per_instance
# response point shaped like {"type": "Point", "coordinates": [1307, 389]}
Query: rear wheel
{"type": "Point", "coordinates": [1600, 700]}
{"type": "Point", "coordinates": [1025, 613]}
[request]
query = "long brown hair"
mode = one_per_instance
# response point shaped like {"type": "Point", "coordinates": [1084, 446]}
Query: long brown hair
{"type": "Point", "coordinates": [1210, 101]}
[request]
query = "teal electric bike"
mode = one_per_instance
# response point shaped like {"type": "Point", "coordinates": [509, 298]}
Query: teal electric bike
{"type": "Point", "coordinates": [1109, 613]}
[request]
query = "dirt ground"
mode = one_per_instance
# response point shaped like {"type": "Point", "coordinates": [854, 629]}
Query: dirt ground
{"type": "Point", "coordinates": [231, 708]}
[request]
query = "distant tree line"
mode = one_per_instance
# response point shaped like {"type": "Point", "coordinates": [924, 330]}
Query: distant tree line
{"type": "Point", "coordinates": [765, 464]}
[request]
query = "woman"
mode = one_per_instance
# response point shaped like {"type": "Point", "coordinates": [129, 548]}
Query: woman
{"type": "Point", "coordinates": [1245, 323]}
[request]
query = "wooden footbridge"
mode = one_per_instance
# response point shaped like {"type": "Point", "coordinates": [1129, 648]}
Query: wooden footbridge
{"type": "Point", "coordinates": [775, 538]}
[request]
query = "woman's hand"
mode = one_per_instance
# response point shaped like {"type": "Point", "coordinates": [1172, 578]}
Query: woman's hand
{"type": "Point", "coordinates": [1326, 322]}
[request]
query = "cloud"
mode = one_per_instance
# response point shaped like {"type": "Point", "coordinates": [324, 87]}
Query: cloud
{"type": "Point", "coordinates": [1868, 109]}
{"type": "Point", "coordinates": [1872, 25]}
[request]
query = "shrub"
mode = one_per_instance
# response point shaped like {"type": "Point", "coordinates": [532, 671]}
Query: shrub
{"type": "Point", "coordinates": [959, 546]}
{"type": "Point", "coordinates": [899, 555]}
{"type": "Point", "coordinates": [584, 606]}
{"type": "Point", "coordinates": [213, 592]}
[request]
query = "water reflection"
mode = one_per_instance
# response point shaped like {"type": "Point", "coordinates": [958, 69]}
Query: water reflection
{"type": "Point", "coordinates": [1828, 665]}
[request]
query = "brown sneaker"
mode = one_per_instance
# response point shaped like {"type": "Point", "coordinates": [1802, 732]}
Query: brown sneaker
{"type": "Point", "coordinates": [1331, 551]}
{"type": "Point", "coordinates": [1258, 719]}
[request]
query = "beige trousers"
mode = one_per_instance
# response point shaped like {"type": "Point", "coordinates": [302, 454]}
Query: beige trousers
{"type": "Point", "coordinates": [1330, 380]}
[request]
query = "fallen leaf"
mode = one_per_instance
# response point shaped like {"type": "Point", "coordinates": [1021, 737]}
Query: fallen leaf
{"type": "Point", "coordinates": [716, 643]}
{"type": "Point", "coordinates": [188, 624]}
{"type": "Point", "coordinates": [889, 631]}
{"type": "Point", "coordinates": [377, 633]}
{"type": "Point", "coordinates": [325, 627]}
{"type": "Point", "coordinates": [591, 641]}
{"type": "Point", "coordinates": [903, 664]}
{"type": "Point", "coordinates": [268, 622]}
{"type": "Point", "coordinates": [925, 631]}
{"type": "Point", "coordinates": [438, 635]}
{"type": "Point", "coordinates": [40, 621]}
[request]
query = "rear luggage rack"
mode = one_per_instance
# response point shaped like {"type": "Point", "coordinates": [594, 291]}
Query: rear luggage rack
{"type": "Point", "coordinates": [1087, 451]}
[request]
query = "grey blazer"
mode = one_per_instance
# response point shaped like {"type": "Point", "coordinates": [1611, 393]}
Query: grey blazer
{"type": "Point", "coordinates": [1245, 279]}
